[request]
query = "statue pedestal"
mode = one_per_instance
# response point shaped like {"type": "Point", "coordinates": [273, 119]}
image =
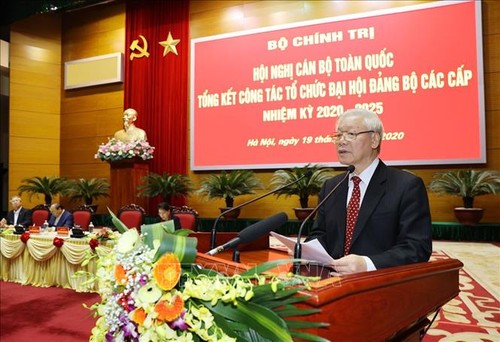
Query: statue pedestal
{"type": "Point", "coordinates": [126, 175]}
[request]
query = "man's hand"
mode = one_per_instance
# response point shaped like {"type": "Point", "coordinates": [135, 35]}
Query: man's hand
{"type": "Point", "coordinates": [3, 222]}
{"type": "Point", "coordinates": [349, 264]}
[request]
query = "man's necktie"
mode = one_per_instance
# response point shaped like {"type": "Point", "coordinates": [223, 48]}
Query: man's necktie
{"type": "Point", "coordinates": [352, 214]}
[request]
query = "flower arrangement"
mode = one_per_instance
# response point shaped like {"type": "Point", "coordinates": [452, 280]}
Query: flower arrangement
{"type": "Point", "coordinates": [105, 233]}
{"type": "Point", "coordinates": [115, 150]}
{"type": "Point", "coordinates": [151, 292]}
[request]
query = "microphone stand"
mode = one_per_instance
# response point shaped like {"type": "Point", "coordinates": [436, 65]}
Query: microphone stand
{"type": "Point", "coordinates": [236, 254]}
{"type": "Point", "coordinates": [297, 252]}
{"type": "Point", "coordinates": [213, 232]}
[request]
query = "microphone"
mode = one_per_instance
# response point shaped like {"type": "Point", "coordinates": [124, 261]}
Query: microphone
{"type": "Point", "coordinates": [308, 173]}
{"type": "Point", "coordinates": [297, 253]}
{"type": "Point", "coordinates": [253, 232]}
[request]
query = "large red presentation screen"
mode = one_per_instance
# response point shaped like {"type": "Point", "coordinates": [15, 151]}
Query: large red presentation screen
{"type": "Point", "coordinates": [270, 98]}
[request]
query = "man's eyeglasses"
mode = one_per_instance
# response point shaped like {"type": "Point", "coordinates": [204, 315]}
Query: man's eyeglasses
{"type": "Point", "coordinates": [348, 136]}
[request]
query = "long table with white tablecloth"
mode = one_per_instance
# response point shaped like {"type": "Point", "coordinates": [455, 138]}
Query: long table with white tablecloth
{"type": "Point", "coordinates": [41, 260]}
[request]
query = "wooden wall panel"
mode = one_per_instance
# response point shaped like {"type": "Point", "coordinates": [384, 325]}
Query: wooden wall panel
{"type": "Point", "coordinates": [492, 90]}
{"type": "Point", "coordinates": [491, 52]}
{"type": "Point", "coordinates": [46, 27]}
{"type": "Point", "coordinates": [34, 151]}
{"type": "Point", "coordinates": [493, 129]}
{"type": "Point", "coordinates": [35, 83]}
{"type": "Point", "coordinates": [493, 156]}
{"type": "Point", "coordinates": [28, 65]}
{"type": "Point", "coordinates": [491, 16]}
{"type": "Point", "coordinates": [91, 32]}
{"type": "Point", "coordinates": [35, 73]}
{"type": "Point", "coordinates": [100, 124]}
{"type": "Point", "coordinates": [81, 150]}
{"type": "Point", "coordinates": [32, 98]}
{"type": "Point", "coordinates": [31, 124]}
{"type": "Point", "coordinates": [35, 47]}
{"type": "Point", "coordinates": [108, 122]}
{"type": "Point", "coordinates": [92, 100]}
{"type": "Point", "coordinates": [22, 171]}
{"type": "Point", "coordinates": [86, 170]}
{"type": "Point", "coordinates": [78, 125]}
{"type": "Point", "coordinates": [103, 44]}
{"type": "Point", "coordinates": [82, 23]}
{"type": "Point", "coordinates": [90, 115]}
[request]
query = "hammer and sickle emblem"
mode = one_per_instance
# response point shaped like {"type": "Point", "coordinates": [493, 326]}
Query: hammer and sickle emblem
{"type": "Point", "coordinates": [143, 51]}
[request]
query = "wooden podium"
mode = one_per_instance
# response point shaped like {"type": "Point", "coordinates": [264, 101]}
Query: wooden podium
{"type": "Point", "coordinates": [126, 175]}
{"type": "Point", "coordinates": [390, 304]}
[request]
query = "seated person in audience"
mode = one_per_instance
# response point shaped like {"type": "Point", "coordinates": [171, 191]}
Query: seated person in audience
{"type": "Point", "coordinates": [18, 215]}
{"type": "Point", "coordinates": [60, 217]}
{"type": "Point", "coordinates": [130, 132]}
{"type": "Point", "coordinates": [165, 213]}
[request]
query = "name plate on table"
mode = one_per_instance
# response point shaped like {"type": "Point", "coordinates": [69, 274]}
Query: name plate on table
{"type": "Point", "coordinates": [62, 230]}
{"type": "Point", "coordinates": [34, 229]}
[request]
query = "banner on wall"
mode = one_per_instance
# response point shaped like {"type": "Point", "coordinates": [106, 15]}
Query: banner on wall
{"type": "Point", "coordinates": [269, 98]}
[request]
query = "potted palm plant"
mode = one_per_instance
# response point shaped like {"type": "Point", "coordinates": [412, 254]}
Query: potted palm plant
{"type": "Point", "coordinates": [310, 184]}
{"type": "Point", "coordinates": [466, 184]}
{"type": "Point", "coordinates": [47, 186]}
{"type": "Point", "coordinates": [228, 185]}
{"type": "Point", "coordinates": [88, 190]}
{"type": "Point", "coordinates": [165, 185]}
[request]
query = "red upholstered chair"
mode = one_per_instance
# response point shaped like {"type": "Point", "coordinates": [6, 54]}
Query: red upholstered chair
{"type": "Point", "coordinates": [187, 216]}
{"type": "Point", "coordinates": [132, 216]}
{"type": "Point", "coordinates": [39, 214]}
{"type": "Point", "coordinates": [82, 216]}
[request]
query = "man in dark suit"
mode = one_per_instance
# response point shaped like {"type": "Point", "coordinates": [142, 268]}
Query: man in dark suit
{"type": "Point", "coordinates": [393, 225]}
{"type": "Point", "coordinates": [59, 216]}
{"type": "Point", "coordinates": [18, 215]}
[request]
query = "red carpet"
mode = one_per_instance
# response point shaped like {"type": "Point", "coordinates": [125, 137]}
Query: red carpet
{"type": "Point", "coordinates": [474, 315]}
{"type": "Point", "coordinates": [40, 314]}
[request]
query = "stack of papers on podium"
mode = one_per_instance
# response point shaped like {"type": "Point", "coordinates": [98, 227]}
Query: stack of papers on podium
{"type": "Point", "coordinates": [312, 251]}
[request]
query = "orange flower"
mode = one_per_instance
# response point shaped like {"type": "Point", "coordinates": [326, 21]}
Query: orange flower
{"type": "Point", "coordinates": [120, 275]}
{"type": "Point", "coordinates": [169, 310]}
{"type": "Point", "coordinates": [167, 271]}
{"type": "Point", "coordinates": [139, 316]}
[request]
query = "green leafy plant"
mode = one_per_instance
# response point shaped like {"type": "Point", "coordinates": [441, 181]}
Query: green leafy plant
{"type": "Point", "coordinates": [87, 189]}
{"type": "Point", "coordinates": [308, 186]}
{"type": "Point", "coordinates": [466, 184]}
{"type": "Point", "coordinates": [228, 185]}
{"type": "Point", "coordinates": [47, 186]}
{"type": "Point", "coordinates": [165, 185]}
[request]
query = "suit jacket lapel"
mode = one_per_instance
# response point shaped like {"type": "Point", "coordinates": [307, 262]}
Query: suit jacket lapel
{"type": "Point", "coordinates": [375, 191]}
{"type": "Point", "coordinates": [339, 209]}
